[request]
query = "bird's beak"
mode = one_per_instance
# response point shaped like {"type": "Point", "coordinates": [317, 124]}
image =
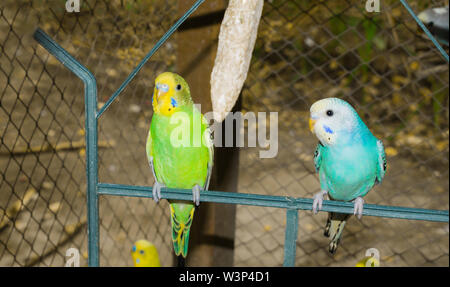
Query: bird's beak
{"type": "Point", "coordinates": [311, 124]}
{"type": "Point", "coordinates": [161, 99]}
{"type": "Point", "coordinates": [159, 93]}
{"type": "Point", "coordinates": [160, 90]}
{"type": "Point", "coordinates": [155, 99]}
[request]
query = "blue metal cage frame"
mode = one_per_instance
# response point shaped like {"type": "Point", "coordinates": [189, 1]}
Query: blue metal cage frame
{"type": "Point", "coordinates": [292, 205]}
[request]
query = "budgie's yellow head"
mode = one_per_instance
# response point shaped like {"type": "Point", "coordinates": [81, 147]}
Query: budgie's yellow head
{"type": "Point", "coordinates": [144, 254]}
{"type": "Point", "coordinates": [171, 92]}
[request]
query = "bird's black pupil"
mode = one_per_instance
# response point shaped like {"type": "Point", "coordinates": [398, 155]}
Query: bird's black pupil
{"type": "Point", "coordinates": [178, 87]}
{"type": "Point", "coordinates": [329, 113]}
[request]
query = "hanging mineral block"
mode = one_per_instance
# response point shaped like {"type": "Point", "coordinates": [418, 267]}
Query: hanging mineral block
{"type": "Point", "coordinates": [236, 42]}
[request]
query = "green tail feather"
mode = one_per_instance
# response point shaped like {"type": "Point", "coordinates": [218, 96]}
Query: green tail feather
{"type": "Point", "coordinates": [180, 232]}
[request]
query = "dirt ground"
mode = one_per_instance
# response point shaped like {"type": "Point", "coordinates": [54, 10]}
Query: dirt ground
{"type": "Point", "coordinates": [42, 193]}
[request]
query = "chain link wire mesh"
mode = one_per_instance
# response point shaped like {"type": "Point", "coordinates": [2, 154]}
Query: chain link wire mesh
{"type": "Point", "coordinates": [42, 161]}
{"type": "Point", "coordinates": [305, 50]}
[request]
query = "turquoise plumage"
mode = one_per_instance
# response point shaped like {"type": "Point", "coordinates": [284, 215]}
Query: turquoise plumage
{"type": "Point", "coordinates": [348, 158]}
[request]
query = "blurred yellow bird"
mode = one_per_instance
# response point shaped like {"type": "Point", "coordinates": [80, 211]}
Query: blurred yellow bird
{"type": "Point", "coordinates": [368, 261]}
{"type": "Point", "coordinates": [144, 254]}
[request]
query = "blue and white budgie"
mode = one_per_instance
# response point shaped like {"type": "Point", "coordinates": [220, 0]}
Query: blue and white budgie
{"type": "Point", "coordinates": [348, 158]}
{"type": "Point", "coordinates": [436, 20]}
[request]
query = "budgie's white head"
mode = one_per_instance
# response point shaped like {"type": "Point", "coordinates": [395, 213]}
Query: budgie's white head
{"type": "Point", "coordinates": [331, 118]}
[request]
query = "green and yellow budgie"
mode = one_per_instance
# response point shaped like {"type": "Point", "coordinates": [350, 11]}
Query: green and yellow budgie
{"type": "Point", "coordinates": [179, 151]}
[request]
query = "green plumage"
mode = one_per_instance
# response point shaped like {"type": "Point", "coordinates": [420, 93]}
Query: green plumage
{"type": "Point", "coordinates": [176, 165]}
{"type": "Point", "coordinates": [179, 167]}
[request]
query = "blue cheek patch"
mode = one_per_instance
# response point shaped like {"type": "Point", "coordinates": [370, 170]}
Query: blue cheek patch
{"type": "Point", "coordinates": [173, 102]}
{"type": "Point", "coordinates": [138, 260]}
{"type": "Point", "coordinates": [327, 129]}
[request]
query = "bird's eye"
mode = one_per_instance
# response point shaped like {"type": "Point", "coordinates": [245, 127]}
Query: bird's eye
{"type": "Point", "coordinates": [329, 113]}
{"type": "Point", "coordinates": [178, 87]}
{"type": "Point", "coordinates": [141, 251]}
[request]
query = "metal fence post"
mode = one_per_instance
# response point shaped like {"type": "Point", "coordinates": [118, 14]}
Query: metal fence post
{"type": "Point", "coordinates": [90, 94]}
{"type": "Point", "coordinates": [290, 241]}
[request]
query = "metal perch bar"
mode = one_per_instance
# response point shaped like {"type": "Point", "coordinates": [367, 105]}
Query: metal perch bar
{"type": "Point", "coordinates": [276, 201]}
